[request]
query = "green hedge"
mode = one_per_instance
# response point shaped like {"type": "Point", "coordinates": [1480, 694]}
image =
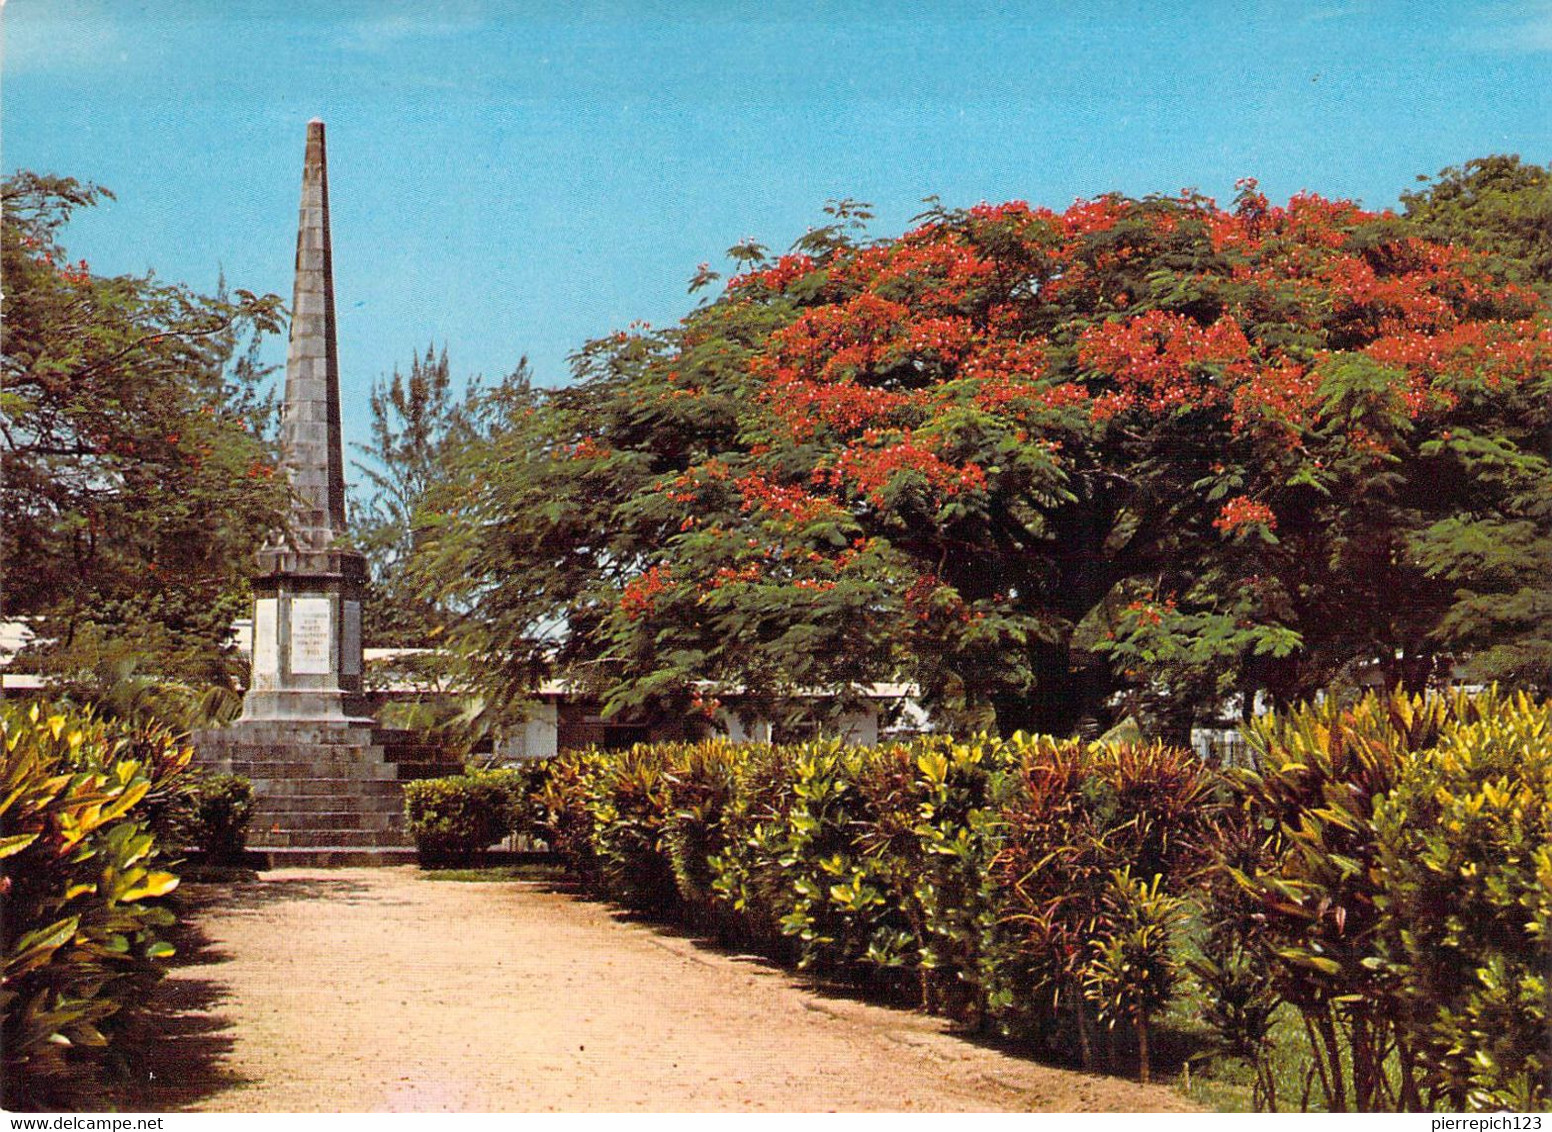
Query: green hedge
{"type": "Point", "coordinates": [454, 818]}
{"type": "Point", "coordinates": [1384, 872]}
{"type": "Point", "coordinates": [79, 880]}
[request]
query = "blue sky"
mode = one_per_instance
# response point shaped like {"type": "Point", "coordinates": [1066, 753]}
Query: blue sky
{"type": "Point", "coordinates": [516, 178]}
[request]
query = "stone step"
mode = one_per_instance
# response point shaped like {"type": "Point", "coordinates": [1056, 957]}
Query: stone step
{"type": "Point", "coordinates": [338, 857]}
{"type": "Point", "coordinates": [299, 734]}
{"type": "Point", "coordinates": [261, 752]}
{"type": "Point", "coordinates": [342, 750]}
{"type": "Point", "coordinates": [293, 822]}
{"type": "Point", "coordinates": [328, 787]}
{"type": "Point", "coordinates": [263, 840]}
{"type": "Point", "coordinates": [310, 769]}
{"type": "Point", "coordinates": [292, 734]}
{"type": "Point", "coordinates": [336, 768]}
{"type": "Point", "coordinates": [384, 803]}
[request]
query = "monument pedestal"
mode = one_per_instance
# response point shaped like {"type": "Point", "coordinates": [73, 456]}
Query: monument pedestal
{"type": "Point", "coordinates": [307, 637]}
{"type": "Point", "coordinates": [327, 781]}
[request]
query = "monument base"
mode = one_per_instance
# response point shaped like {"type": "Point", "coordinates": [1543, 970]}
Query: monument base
{"type": "Point", "coordinates": [285, 707]}
{"type": "Point", "coordinates": [324, 792]}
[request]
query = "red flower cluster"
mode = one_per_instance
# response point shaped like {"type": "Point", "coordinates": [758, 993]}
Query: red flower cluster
{"type": "Point", "coordinates": [742, 575]}
{"type": "Point", "coordinates": [586, 449]}
{"type": "Point", "coordinates": [787, 269]}
{"type": "Point", "coordinates": [804, 406]}
{"type": "Point", "coordinates": [1241, 510]}
{"type": "Point", "coordinates": [1492, 353]}
{"type": "Point", "coordinates": [870, 469]}
{"type": "Point", "coordinates": [839, 341]}
{"type": "Point", "coordinates": [1144, 614]}
{"type": "Point", "coordinates": [1282, 392]}
{"type": "Point", "coordinates": [899, 338]}
{"type": "Point", "coordinates": [639, 598]}
{"type": "Point", "coordinates": [1162, 360]}
{"type": "Point", "coordinates": [1087, 217]}
{"type": "Point", "coordinates": [1015, 210]}
{"type": "Point", "coordinates": [792, 503]}
{"type": "Point", "coordinates": [937, 267]}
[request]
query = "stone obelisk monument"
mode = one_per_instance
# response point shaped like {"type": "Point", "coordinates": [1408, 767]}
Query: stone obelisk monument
{"type": "Point", "coordinates": [307, 597]}
{"type": "Point", "coordinates": [326, 779]}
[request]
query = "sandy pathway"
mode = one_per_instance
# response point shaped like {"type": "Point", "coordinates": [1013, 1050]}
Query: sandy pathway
{"type": "Point", "coordinates": [378, 989]}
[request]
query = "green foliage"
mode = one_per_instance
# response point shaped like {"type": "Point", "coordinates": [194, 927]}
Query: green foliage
{"type": "Point", "coordinates": [1233, 962]}
{"type": "Point", "coordinates": [1400, 826]}
{"type": "Point", "coordinates": [135, 480]}
{"type": "Point", "coordinates": [630, 806]}
{"type": "Point", "coordinates": [418, 428]}
{"type": "Point", "coordinates": [1087, 811]}
{"type": "Point", "coordinates": [1131, 974]}
{"type": "Point", "coordinates": [902, 867]}
{"type": "Point", "coordinates": [1370, 897]}
{"type": "Point", "coordinates": [452, 819]}
{"type": "Point", "coordinates": [839, 902]}
{"type": "Point", "coordinates": [222, 806]}
{"type": "Point", "coordinates": [1321, 772]}
{"type": "Point", "coordinates": [108, 673]}
{"type": "Point", "coordinates": [79, 921]}
{"type": "Point", "coordinates": [1465, 873]}
{"type": "Point", "coordinates": [1137, 457]}
{"type": "Point", "coordinates": [1498, 205]}
{"type": "Point", "coordinates": [937, 828]}
{"type": "Point", "coordinates": [701, 785]}
{"type": "Point", "coordinates": [750, 894]}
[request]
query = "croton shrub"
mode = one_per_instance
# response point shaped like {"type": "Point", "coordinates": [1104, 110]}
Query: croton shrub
{"type": "Point", "coordinates": [1381, 875]}
{"type": "Point", "coordinates": [80, 877]}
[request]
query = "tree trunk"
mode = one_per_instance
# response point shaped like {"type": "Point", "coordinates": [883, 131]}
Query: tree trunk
{"type": "Point", "coordinates": [1085, 1042]}
{"type": "Point", "coordinates": [1059, 701]}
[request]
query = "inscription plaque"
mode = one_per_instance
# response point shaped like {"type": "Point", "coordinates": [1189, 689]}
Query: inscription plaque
{"type": "Point", "coordinates": [310, 633]}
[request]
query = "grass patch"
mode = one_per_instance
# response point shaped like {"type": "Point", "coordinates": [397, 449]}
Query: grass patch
{"type": "Point", "coordinates": [494, 873]}
{"type": "Point", "coordinates": [1226, 1084]}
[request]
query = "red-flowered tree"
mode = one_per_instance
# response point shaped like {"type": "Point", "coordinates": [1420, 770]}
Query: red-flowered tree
{"type": "Point", "coordinates": [1138, 455]}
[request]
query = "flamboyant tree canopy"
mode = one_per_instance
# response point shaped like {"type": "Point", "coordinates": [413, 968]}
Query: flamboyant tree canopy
{"type": "Point", "coordinates": [1136, 455]}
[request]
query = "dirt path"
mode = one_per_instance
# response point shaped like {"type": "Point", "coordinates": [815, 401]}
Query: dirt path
{"type": "Point", "coordinates": [379, 989]}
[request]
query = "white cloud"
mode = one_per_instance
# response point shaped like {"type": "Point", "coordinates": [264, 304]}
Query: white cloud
{"type": "Point", "coordinates": [389, 28]}
{"type": "Point", "coordinates": [1523, 29]}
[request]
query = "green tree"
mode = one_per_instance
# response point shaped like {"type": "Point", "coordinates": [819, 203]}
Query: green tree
{"type": "Point", "coordinates": [137, 477]}
{"type": "Point", "coordinates": [1494, 547]}
{"type": "Point", "coordinates": [1141, 453]}
{"type": "Point", "coordinates": [417, 425]}
{"type": "Point", "coordinates": [1497, 205]}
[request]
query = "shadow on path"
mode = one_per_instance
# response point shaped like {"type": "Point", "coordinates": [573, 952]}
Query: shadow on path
{"type": "Point", "coordinates": [1172, 1048]}
{"type": "Point", "coordinates": [181, 1042]}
